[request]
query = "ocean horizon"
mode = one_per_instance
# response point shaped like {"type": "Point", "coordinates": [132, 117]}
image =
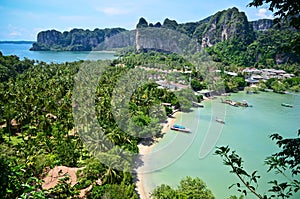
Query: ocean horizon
{"type": "Point", "coordinates": [22, 51]}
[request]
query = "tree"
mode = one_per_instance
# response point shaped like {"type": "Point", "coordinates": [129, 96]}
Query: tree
{"type": "Point", "coordinates": [196, 85]}
{"type": "Point", "coordinates": [286, 162]}
{"type": "Point", "coordinates": [189, 188]}
{"type": "Point", "coordinates": [114, 191]}
{"type": "Point", "coordinates": [286, 10]}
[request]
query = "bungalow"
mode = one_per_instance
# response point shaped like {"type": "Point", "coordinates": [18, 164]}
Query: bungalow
{"type": "Point", "coordinates": [227, 72]}
{"type": "Point", "coordinates": [205, 92]}
{"type": "Point", "coordinates": [287, 75]}
{"type": "Point", "coordinates": [171, 85]}
{"type": "Point", "coordinates": [256, 77]}
{"type": "Point", "coordinates": [231, 73]}
{"type": "Point", "coordinates": [252, 81]}
{"type": "Point", "coordinates": [251, 70]}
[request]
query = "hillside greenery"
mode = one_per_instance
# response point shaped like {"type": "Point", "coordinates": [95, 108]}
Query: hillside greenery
{"type": "Point", "coordinates": [188, 188]}
{"type": "Point", "coordinates": [37, 128]}
{"type": "Point", "coordinates": [271, 48]}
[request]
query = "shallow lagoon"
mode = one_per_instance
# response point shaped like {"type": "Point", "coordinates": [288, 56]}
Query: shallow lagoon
{"type": "Point", "coordinates": [247, 131]}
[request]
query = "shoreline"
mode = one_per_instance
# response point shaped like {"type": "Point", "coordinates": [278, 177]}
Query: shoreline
{"type": "Point", "coordinates": [144, 150]}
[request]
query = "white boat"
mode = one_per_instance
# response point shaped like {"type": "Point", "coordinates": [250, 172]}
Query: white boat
{"type": "Point", "coordinates": [220, 121]}
{"type": "Point", "coordinates": [287, 105]}
{"type": "Point", "coordinates": [177, 127]}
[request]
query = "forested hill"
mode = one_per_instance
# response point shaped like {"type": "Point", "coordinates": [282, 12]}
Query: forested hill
{"type": "Point", "coordinates": [223, 25]}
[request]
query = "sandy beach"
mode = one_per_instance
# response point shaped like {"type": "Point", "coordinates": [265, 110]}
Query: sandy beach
{"type": "Point", "coordinates": [143, 151]}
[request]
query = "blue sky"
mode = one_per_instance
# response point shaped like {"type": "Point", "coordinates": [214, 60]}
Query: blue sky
{"type": "Point", "coordinates": [23, 19]}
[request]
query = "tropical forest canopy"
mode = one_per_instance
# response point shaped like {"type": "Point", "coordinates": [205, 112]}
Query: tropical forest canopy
{"type": "Point", "coordinates": [36, 107]}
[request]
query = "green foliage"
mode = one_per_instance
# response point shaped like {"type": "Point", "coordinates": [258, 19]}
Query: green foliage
{"type": "Point", "coordinates": [170, 24]}
{"type": "Point", "coordinates": [281, 85]}
{"type": "Point", "coordinates": [11, 178]}
{"type": "Point", "coordinates": [288, 157]}
{"type": "Point", "coordinates": [164, 192]}
{"type": "Point", "coordinates": [234, 84]}
{"type": "Point", "coordinates": [286, 162]}
{"type": "Point", "coordinates": [285, 10]}
{"type": "Point", "coordinates": [63, 189]}
{"type": "Point", "coordinates": [189, 188]}
{"type": "Point", "coordinates": [156, 60]}
{"type": "Point", "coordinates": [198, 85]}
{"type": "Point", "coordinates": [113, 191]}
{"type": "Point", "coordinates": [90, 173]}
{"type": "Point", "coordinates": [36, 106]}
{"type": "Point", "coordinates": [269, 48]}
{"type": "Point", "coordinates": [185, 98]}
{"type": "Point", "coordinates": [235, 162]}
{"type": "Point", "coordinates": [11, 66]}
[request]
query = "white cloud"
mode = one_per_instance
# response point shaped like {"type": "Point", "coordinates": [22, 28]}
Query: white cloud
{"type": "Point", "coordinates": [113, 11]}
{"type": "Point", "coordinates": [263, 13]}
{"type": "Point", "coordinates": [14, 33]}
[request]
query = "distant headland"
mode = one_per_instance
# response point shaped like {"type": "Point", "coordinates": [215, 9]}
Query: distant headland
{"type": "Point", "coordinates": [17, 42]}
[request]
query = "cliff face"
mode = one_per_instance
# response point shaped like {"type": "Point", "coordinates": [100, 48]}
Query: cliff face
{"type": "Point", "coordinates": [75, 40]}
{"type": "Point", "coordinates": [262, 24]}
{"type": "Point", "coordinates": [224, 25]}
{"type": "Point", "coordinates": [164, 40]}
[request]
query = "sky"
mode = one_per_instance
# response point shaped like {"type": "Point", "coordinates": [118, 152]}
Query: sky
{"type": "Point", "coordinates": [23, 19]}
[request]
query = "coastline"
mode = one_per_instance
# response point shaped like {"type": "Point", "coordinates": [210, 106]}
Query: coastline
{"type": "Point", "coordinates": [146, 149]}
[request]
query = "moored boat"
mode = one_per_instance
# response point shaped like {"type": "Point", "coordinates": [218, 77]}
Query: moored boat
{"type": "Point", "coordinates": [220, 121]}
{"type": "Point", "coordinates": [177, 127]}
{"type": "Point", "coordinates": [196, 104]}
{"type": "Point", "coordinates": [287, 105]}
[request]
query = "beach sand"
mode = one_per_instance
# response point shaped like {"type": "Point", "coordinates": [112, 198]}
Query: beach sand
{"type": "Point", "coordinates": [143, 151]}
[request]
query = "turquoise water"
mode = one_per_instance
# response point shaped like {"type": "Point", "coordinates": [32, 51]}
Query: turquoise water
{"type": "Point", "coordinates": [178, 155]}
{"type": "Point", "coordinates": [22, 50]}
{"type": "Point", "coordinates": [246, 130]}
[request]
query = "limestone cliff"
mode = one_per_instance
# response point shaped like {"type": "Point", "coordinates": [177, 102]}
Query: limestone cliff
{"type": "Point", "coordinates": [262, 24]}
{"type": "Point", "coordinates": [74, 40]}
{"type": "Point", "coordinates": [224, 25]}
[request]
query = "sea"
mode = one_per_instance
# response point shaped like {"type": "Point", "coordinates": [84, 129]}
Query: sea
{"type": "Point", "coordinates": [22, 50]}
{"type": "Point", "coordinates": [246, 130]}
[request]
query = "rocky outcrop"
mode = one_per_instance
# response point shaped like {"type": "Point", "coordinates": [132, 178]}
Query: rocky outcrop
{"type": "Point", "coordinates": [121, 40]}
{"type": "Point", "coordinates": [142, 23]}
{"type": "Point", "coordinates": [262, 24]}
{"type": "Point", "coordinates": [74, 40]}
{"type": "Point", "coordinates": [224, 25]}
{"type": "Point", "coordinates": [163, 40]}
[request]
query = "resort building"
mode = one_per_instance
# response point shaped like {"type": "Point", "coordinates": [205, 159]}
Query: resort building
{"type": "Point", "coordinates": [255, 75]}
{"type": "Point", "coordinates": [171, 85]}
